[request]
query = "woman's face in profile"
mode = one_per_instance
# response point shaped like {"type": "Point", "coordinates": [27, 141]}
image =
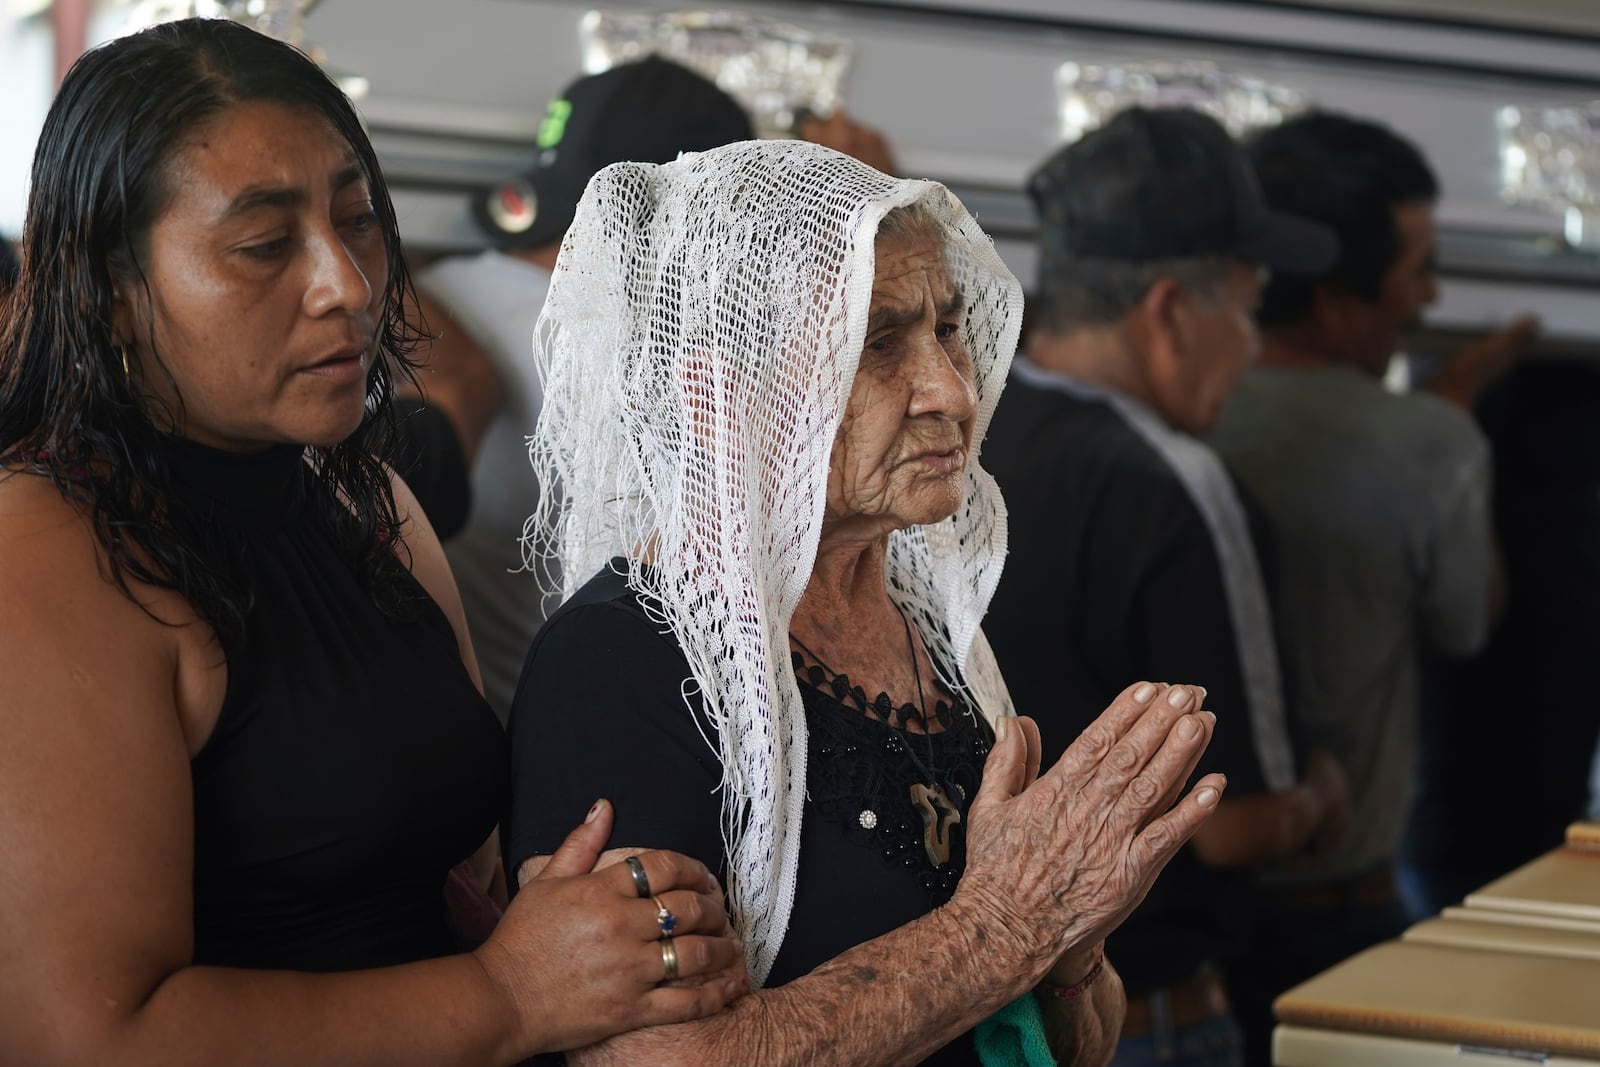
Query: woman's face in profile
{"type": "Point", "coordinates": [901, 450]}
{"type": "Point", "coordinates": [267, 273]}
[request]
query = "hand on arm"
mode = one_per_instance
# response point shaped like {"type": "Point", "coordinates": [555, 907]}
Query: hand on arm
{"type": "Point", "coordinates": [1053, 866]}
{"type": "Point", "coordinates": [607, 937]}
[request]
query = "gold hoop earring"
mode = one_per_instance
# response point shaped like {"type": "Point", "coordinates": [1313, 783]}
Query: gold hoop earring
{"type": "Point", "coordinates": [127, 372]}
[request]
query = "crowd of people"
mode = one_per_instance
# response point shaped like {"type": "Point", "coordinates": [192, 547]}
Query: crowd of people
{"type": "Point", "coordinates": [852, 677]}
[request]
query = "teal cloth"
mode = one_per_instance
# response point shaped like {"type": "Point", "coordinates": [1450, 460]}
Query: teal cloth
{"type": "Point", "coordinates": [1014, 1036]}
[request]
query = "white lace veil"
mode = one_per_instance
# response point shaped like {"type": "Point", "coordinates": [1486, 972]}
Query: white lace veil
{"type": "Point", "coordinates": [699, 342]}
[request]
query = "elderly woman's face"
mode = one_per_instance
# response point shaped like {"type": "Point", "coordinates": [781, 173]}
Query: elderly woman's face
{"type": "Point", "coordinates": [901, 451]}
{"type": "Point", "coordinates": [267, 272]}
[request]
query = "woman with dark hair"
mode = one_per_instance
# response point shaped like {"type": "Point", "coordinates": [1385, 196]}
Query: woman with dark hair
{"type": "Point", "coordinates": [244, 737]}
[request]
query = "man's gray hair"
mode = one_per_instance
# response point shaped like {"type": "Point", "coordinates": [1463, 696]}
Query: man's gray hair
{"type": "Point", "coordinates": [1079, 291]}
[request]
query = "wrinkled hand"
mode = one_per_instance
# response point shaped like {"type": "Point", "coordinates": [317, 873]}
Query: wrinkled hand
{"type": "Point", "coordinates": [842, 133]}
{"type": "Point", "coordinates": [1325, 775]}
{"type": "Point", "coordinates": [1470, 368]}
{"type": "Point", "coordinates": [578, 956]}
{"type": "Point", "coordinates": [1061, 861]}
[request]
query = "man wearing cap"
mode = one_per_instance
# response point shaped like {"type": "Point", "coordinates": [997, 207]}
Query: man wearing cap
{"type": "Point", "coordinates": [1377, 503]}
{"type": "Point", "coordinates": [1130, 551]}
{"type": "Point", "coordinates": [647, 111]}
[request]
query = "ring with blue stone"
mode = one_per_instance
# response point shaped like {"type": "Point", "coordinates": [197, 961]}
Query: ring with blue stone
{"type": "Point", "coordinates": [664, 918]}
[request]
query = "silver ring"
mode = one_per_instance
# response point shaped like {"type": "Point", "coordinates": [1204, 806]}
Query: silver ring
{"type": "Point", "coordinates": [669, 959]}
{"type": "Point", "coordinates": [641, 881]}
{"type": "Point", "coordinates": [664, 918]}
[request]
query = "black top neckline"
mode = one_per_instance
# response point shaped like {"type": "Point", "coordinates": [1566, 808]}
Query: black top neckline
{"type": "Point", "coordinates": [836, 688]}
{"type": "Point", "coordinates": [266, 487]}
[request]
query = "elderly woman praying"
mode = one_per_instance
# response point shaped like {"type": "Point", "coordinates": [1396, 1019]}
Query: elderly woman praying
{"type": "Point", "coordinates": [769, 368]}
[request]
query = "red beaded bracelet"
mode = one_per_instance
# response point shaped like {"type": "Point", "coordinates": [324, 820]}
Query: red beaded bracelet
{"type": "Point", "coordinates": [1075, 990]}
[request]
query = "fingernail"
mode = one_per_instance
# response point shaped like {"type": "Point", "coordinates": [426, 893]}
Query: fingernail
{"type": "Point", "coordinates": [594, 811]}
{"type": "Point", "coordinates": [1188, 728]}
{"type": "Point", "coordinates": [1206, 797]}
{"type": "Point", "coordinates": [1180, 696]}
{"type": "Point", "coordinates": [1202, 693]}
{"type": "Point", "coordinates": [1002, 724]}
{"type": "Point", "coordinates": [1143, 694]}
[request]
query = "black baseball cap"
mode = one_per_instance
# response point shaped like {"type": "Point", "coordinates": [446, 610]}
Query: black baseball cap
{"type": "Point", "coordinates": [1167, 183]}
{"type": "Point", "coordinates": [647, 111]}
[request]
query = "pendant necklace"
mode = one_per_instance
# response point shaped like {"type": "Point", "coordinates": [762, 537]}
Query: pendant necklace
{"type": "Point", "coordinates": [929, 798]}
{"type": "Point", "coordinates": [939, 815]}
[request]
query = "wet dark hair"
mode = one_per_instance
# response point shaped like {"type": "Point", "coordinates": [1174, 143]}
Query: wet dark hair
{"type": "Point", "coordinates": [68, 410]}
{"type": "Point", "coordinates": [8, 266]}
{"type": "Point", "coordinates": [1348, 174]}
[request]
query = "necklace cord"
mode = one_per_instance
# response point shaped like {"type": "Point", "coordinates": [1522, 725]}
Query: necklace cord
{"type": "Point", "coordinates": [916, 674]}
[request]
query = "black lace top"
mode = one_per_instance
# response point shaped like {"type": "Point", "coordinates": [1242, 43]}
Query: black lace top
{"type": "Point", "coordinates": [864, 774]}
{"type": "Point", "coordinates": [600, 711]}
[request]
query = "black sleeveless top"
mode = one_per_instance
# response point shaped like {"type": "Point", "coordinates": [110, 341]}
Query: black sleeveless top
{"type": "Point", "coordinates": [353, 763]}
